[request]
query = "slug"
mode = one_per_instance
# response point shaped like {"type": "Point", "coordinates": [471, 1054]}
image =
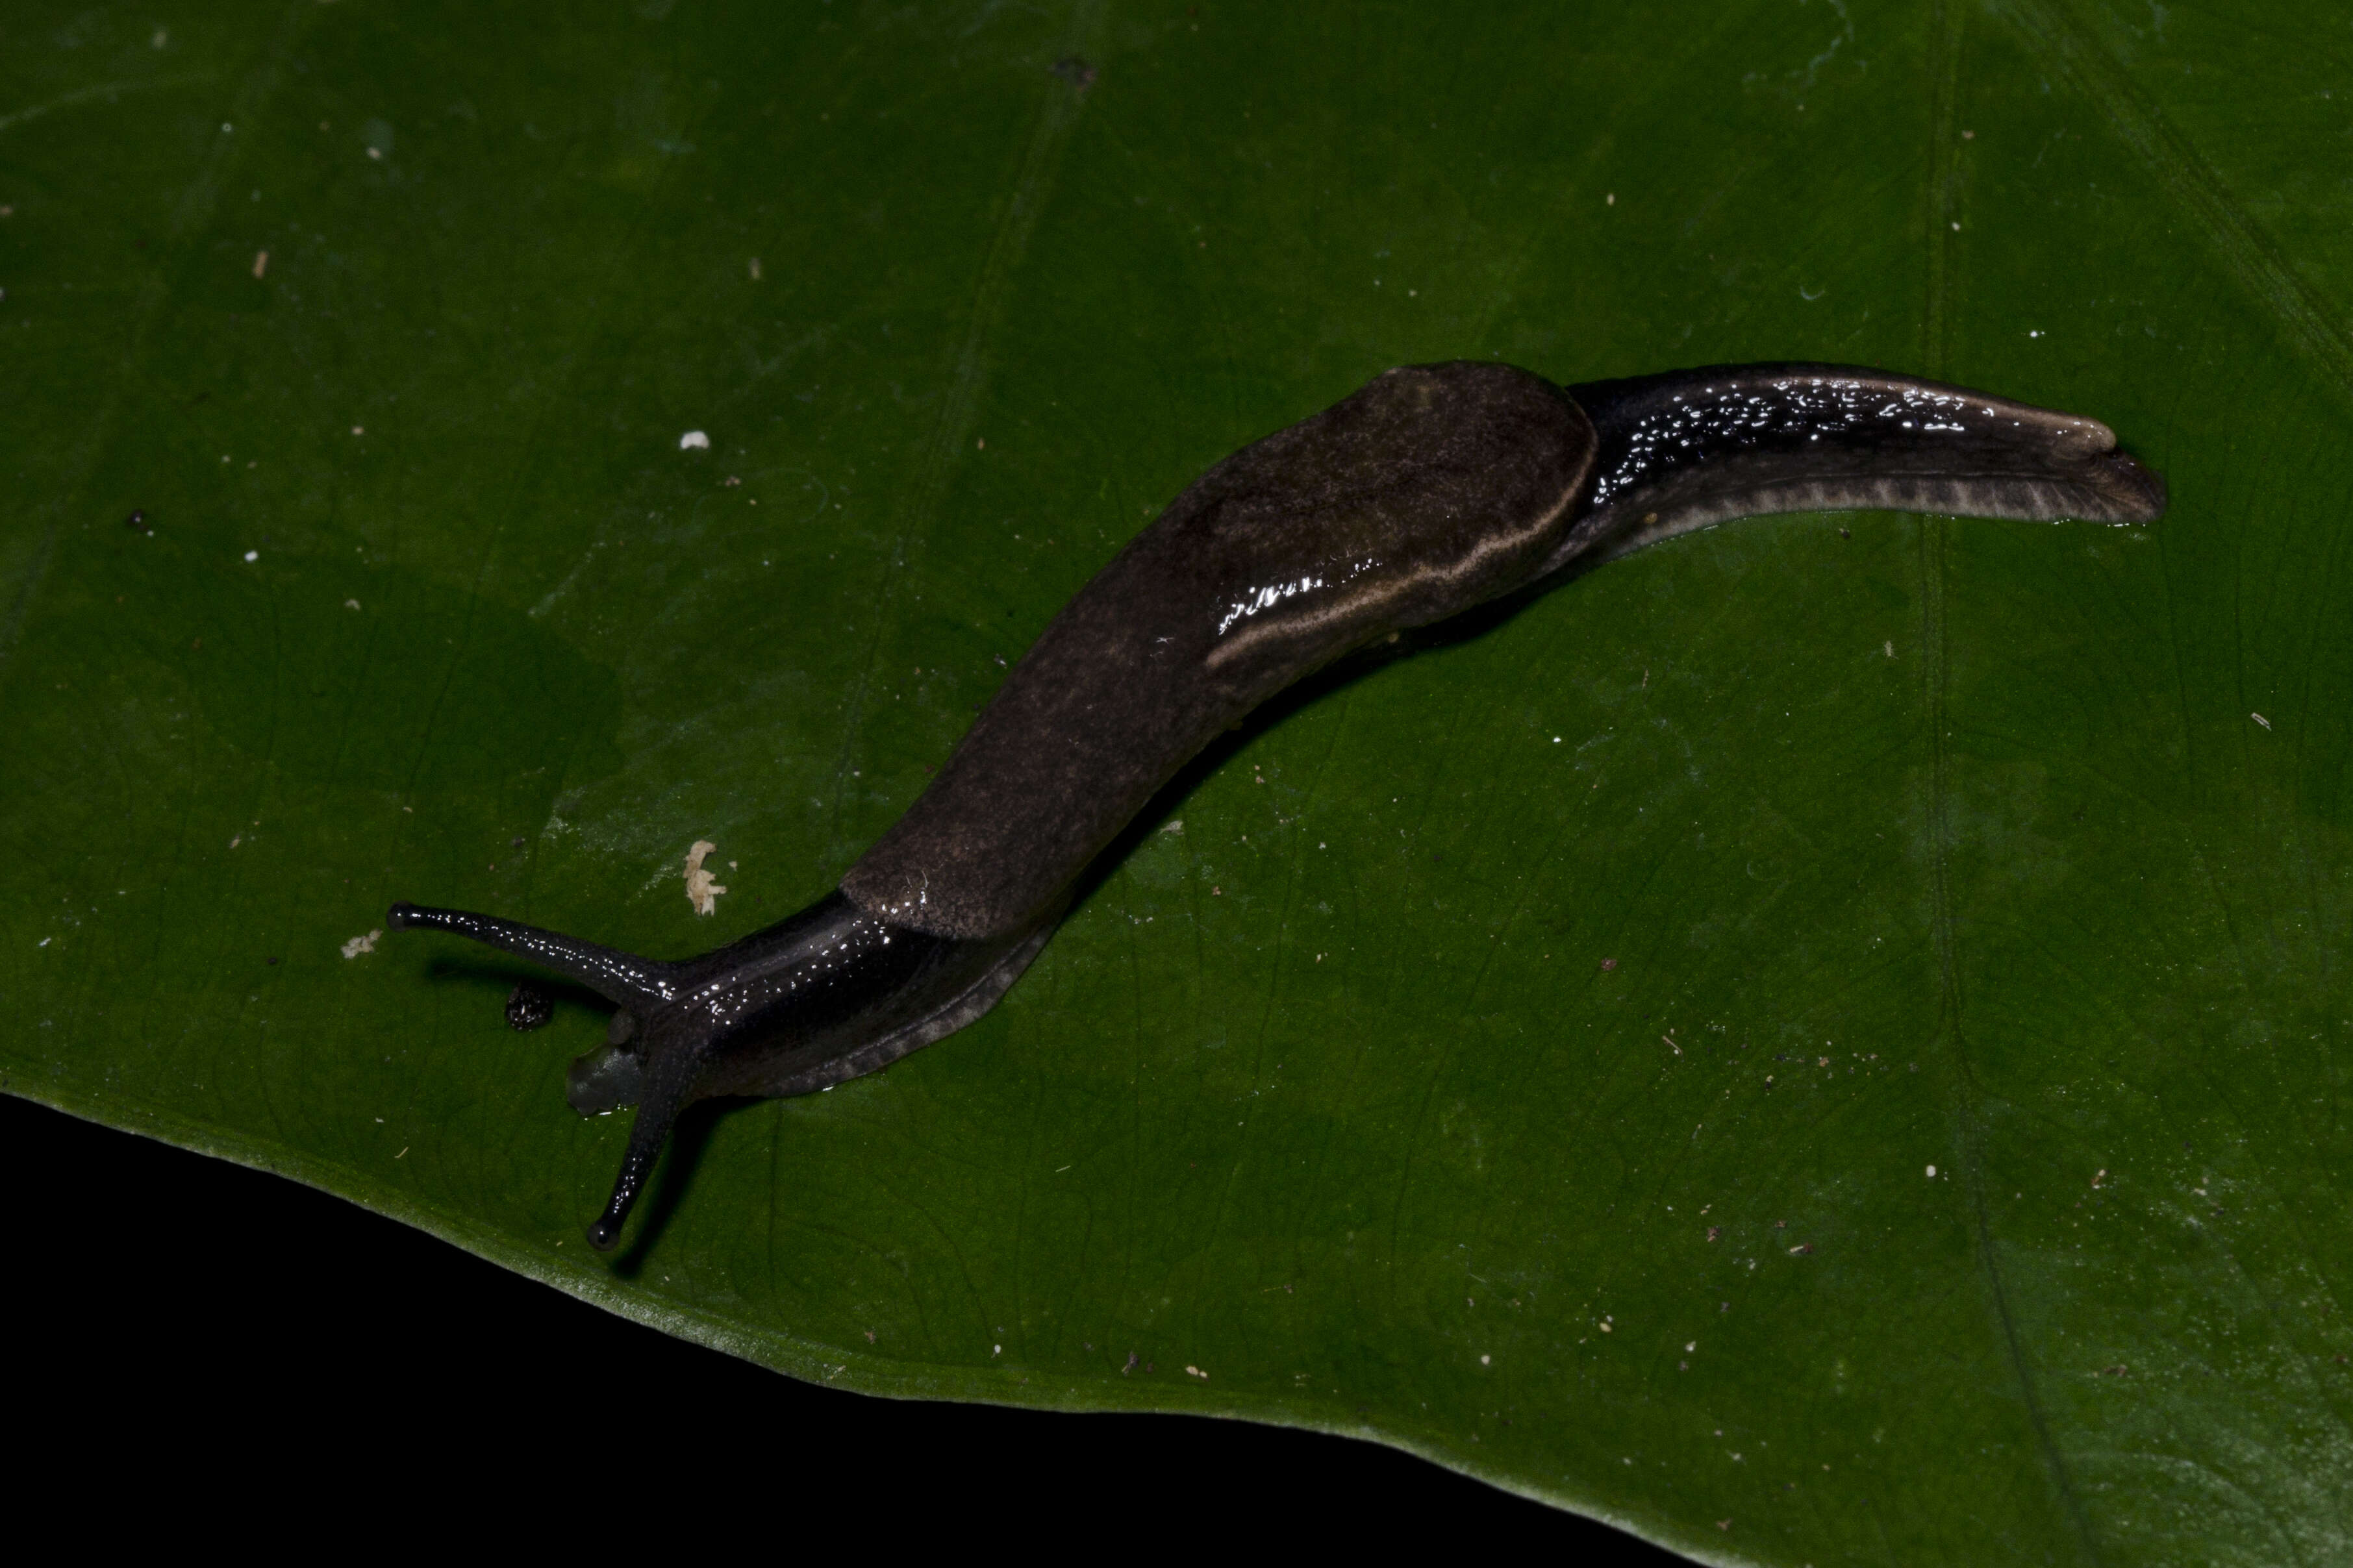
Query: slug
{"type": "Point", "coordinates": [1434, 488]}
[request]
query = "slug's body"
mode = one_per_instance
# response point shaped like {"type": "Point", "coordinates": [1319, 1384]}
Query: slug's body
{"type": "Point", "coordinates": [1435, 488]}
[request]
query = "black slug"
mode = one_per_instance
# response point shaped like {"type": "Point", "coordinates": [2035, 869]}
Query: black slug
{"type": "Point", "coordinates": [1434, 488]}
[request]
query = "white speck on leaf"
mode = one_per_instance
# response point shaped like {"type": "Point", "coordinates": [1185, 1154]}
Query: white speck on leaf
{"type": "Point", "coordinates": [701, 890]}
{"type": "Point", "coordinates": [2261, 720]}
{"type": "Point", "coordinates": [694, 441]}
{"type": "Point", "coordinates": [360, 945]}
{"type": "Point", "coordinates": [1932, 1172]}
{"type": "Point", "coordinates": [253, 555]}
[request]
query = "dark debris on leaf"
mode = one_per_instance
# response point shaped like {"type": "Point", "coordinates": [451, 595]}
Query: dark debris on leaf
{"type": "Point", "coordinates": [528, 1008]}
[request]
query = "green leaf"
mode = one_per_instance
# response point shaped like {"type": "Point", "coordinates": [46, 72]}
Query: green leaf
{"type": "Point", "coordinates": [1822, 1042]}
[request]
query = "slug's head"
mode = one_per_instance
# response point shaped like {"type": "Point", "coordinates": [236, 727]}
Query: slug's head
{"type": "Point", "coordinates": [820, 997]}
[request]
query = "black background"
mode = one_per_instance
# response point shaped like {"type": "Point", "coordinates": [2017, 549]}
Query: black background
{"type": "Point", "coordinates": [211, 1326]}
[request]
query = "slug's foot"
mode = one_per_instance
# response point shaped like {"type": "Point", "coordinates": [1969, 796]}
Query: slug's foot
{"type": "Point", "coordinates": [604, 1080]}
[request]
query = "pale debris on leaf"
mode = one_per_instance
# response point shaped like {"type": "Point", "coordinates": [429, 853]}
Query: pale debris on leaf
{"type": "Point", "coordinates": [360, 945]}
{"type": "Point", "coordinates": [701, 890]}
{"type": "Point", "coordinates": [694, 441]}
{"type": "Point", "coordinates": [2261, 720]}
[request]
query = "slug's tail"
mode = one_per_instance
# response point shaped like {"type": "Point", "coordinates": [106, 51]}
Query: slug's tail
{"type": "Point", "coordinates": [1688, 448]}
{"type": "Point", "coordinates": [621, 978]}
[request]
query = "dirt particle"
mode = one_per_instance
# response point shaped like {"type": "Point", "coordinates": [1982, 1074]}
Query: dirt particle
{"type": "Point", "coordinates": [358, 944]}
{"type": "Point", "coordinates": [528, 1008]}
{"type": "Point", "coordinates": [701, 890]}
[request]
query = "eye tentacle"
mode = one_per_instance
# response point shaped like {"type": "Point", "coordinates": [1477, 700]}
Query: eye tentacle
{"type": "Point", "coordinates": [669, 1086]}
{"type": "Point", "coordinates": [621, 978]}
